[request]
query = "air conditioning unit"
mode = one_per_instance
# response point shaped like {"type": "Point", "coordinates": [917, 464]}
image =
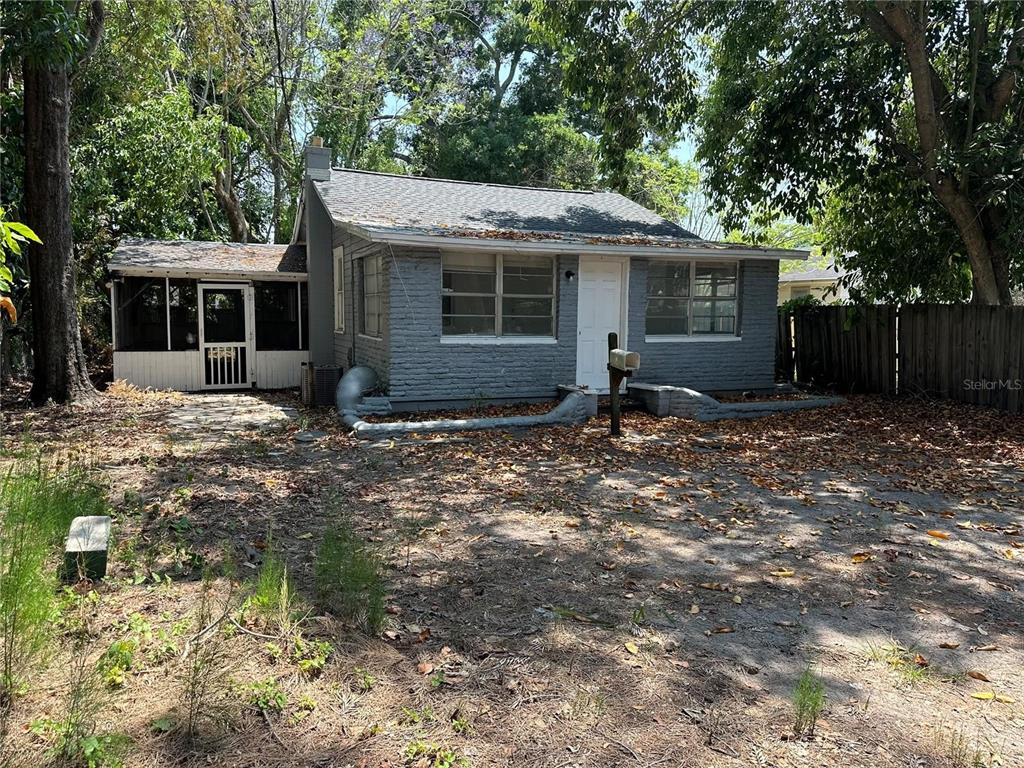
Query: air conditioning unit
{"type": "Point", "coordinates": [325, 382]}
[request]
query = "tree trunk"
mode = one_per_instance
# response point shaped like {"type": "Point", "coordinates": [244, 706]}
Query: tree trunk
{"type": "Point", "coordinates": [989, 270]}
{"type": "Point", "coordinates": [228, 200]}
{"type": "Point", "coordinates": [60, 367]}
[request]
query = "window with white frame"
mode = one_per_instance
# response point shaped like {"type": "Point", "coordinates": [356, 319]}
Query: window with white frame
{"type": "Point", "coordinates": [339, 289]}
{"type": "Point", "coordinates": [497, 295]}
{"type": "Point", "coordinates": [691, 298]}
{"type": "Point", "coordinates": [372, 291]}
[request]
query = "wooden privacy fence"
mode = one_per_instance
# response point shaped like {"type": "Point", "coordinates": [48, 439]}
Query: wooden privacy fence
{"type": "Point", "coordinates": [958, 352]}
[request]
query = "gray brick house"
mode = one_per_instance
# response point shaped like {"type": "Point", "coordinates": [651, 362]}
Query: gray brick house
{"type": "Point", "coordinates": [457, 292]}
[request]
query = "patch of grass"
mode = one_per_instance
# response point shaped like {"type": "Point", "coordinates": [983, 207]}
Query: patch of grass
{"type": "Point", "coordinates": [37, 503]}
{"type": "Point", "coordinates": [908, 664]}
{"type": "Point", "coordinates": [808, 701]}
{"type": "Point", "coordinates": [348, 578]}
{"type": "Point", "coordinates": [435, 756]}
{"type": "Point", "coordinates": [958, 750]}
{"type": "Point", "coordinates": [272, 597]}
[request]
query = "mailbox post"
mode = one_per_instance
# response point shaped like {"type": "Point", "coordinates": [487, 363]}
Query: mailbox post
{"type": "Point", "coordinates": [621, 364]}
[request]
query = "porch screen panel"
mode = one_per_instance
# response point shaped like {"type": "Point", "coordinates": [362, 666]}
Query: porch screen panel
{"type": "Point", "coordinates": [142, 314]}
{"type": "Point", "coordinates": [277, 315]}
{"type": "Point", "coordinates": [304, 301]}
{"type": "Point", "coordinates": [468, 294]}
{"type": "Point", "coordinates": [184, 314]}
{"type": "Point", "coordinates": [527, 296]}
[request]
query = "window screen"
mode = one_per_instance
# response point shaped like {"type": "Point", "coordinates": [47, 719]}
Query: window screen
{"type": "Point", "coordinates": [141, 314]}
{"type": "Point", "coordinates": [277, 315]}
{"type": "Point", "coordinates": [687, 298]}
{"type": "Point", "coordinates": [497, 295]}
{"type": "Point", "coordinates": [184, 314]}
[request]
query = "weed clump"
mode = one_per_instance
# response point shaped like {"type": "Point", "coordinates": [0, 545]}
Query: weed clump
{"type": "Point", "coordinates": [348, 578]}
{"type": "Point", "coordinates": [808, 701]}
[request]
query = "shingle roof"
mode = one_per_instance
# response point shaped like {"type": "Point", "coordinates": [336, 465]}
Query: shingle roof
{"type": "Point", "coordinates": [376, 200]}
{"type": "Point", "coordinates": [191, 256]}
{"type": "Point", "coordinates": [809, 275]}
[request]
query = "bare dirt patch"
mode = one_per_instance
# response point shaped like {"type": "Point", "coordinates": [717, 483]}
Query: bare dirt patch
{"type": "Point", "coordinates": [557, 599]}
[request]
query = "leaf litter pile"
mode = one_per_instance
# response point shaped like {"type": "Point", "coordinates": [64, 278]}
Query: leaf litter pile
{"type": "Point", "coordinates": [556, 598]}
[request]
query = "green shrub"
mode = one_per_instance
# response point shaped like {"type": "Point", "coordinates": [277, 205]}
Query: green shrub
{"type": "Point", "coordinates": [272, 596]}
{"type": "Point", "coordinates": [116, 661]}
{"type": "Point", "coordinates": [267, 696]}
{"type": "Point", "coordinates": [311, 655]}
{"type": "Point", "coordinates": [808, 700]}
{"type": "Point", "coordinates": [37, 503]}
{"type": "Point", "coordinates": [348, 578]}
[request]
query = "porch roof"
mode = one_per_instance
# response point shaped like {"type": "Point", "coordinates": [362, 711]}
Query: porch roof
{"type": "Point", "coordinates": [198, 258]}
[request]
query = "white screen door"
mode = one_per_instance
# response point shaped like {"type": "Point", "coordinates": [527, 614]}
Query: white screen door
{"type": "Point", "coordinates": [600, 311]}
{"type": "Point", "coordinates": [226, 335]}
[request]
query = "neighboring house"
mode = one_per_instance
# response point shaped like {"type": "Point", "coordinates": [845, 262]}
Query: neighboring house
{"type": "Point", "coordinates": [822, 284]}
{"type": "Point", "coordinates": [458, 292]}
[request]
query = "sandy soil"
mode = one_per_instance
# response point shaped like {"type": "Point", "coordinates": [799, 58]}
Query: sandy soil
{"type": "Point", "coordinates": [557, 598]}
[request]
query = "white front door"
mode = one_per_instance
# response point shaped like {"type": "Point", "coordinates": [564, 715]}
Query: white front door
{"type": "Point", "coordinates": [226, 335]}
{"type": "Point", "coordinates": [601, 310]}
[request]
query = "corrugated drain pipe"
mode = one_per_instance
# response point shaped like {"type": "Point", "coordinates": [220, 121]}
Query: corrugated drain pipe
{"type": "Point", "coordinates": [360, 380]}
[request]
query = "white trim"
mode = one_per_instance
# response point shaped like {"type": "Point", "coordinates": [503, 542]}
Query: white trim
{"type": "Point", "coordinates": [200, 274]}
{"type": "Point", "coordinates": [113, 315]}
{"type": "Point", "coordinates": [362, 335]}
{"type": "Point", "coordinates": [167, 304]}
{"type": "Point", "coordinates": [496, 340]}
{"type": "Point", "coordinates": [338, 255]}
{"type": "Point", "coordinates": [700, 250]}
{"type": "Point", "coordinates": [696, 339]}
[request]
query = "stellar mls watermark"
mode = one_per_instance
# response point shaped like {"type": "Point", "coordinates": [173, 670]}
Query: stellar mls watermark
{"type": "Point", "coordinates": [991, 385]}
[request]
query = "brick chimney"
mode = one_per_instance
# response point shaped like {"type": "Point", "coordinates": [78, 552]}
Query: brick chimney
{"type": "Point", "coordinates": [318, 160]}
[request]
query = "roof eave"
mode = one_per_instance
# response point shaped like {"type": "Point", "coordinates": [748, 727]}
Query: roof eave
{"type": "Point", "coordinates": [406, 238]}
{"type": "Point", "coordinates": [203, 274]}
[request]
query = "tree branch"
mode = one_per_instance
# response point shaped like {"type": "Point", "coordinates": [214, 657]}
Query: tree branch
{"type": "Point", "coordinates": [1001, 91]}
{"type": "Point", "coordinates": [94, 27]}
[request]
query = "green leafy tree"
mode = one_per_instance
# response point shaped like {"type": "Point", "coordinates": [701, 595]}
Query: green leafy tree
{"type": "Point", "coordinates": [794, 103]}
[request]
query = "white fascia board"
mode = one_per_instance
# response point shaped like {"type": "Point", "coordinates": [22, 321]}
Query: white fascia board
{"type": "Point", "coordinates": [443, 242]}
{"type": "Point", "coordinates": [202, 274]}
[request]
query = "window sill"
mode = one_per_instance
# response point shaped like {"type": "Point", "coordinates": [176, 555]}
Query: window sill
{"type": "Point", "coordinates": [370, 338]}
{"type": "Point", "coordinates": [696, 339]}
{"type": "Point", "coordinates": [498, 340]}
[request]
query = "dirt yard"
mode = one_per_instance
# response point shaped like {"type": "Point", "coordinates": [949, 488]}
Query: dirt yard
{"type": "Point", "coordinates": [556, 598]}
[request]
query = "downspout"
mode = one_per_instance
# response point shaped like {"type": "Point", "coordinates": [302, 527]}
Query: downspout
{"type": "Point", "coordinates": [360, 380]}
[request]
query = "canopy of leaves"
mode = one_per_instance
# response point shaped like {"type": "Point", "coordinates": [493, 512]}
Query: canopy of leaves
{"type": "Point", "coordinates": [802, 108]}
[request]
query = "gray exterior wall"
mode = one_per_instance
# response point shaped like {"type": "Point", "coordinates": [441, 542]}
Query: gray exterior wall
{"type": "Point", "coordinates": [425, 371]}
{"type": "Point", "coordinates": [712, 366]}
{"type": "Point", "coordinates": [419, 371]}
{"type": "Point", "coordinates": [352, 348]}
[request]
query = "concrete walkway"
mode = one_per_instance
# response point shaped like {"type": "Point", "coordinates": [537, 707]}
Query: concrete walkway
{"type": "Point", "coordinates": [202, 415]}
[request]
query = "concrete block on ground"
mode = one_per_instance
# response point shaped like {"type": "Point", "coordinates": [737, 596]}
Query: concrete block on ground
{"type": "Point", "coordinates": [85, 553]}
